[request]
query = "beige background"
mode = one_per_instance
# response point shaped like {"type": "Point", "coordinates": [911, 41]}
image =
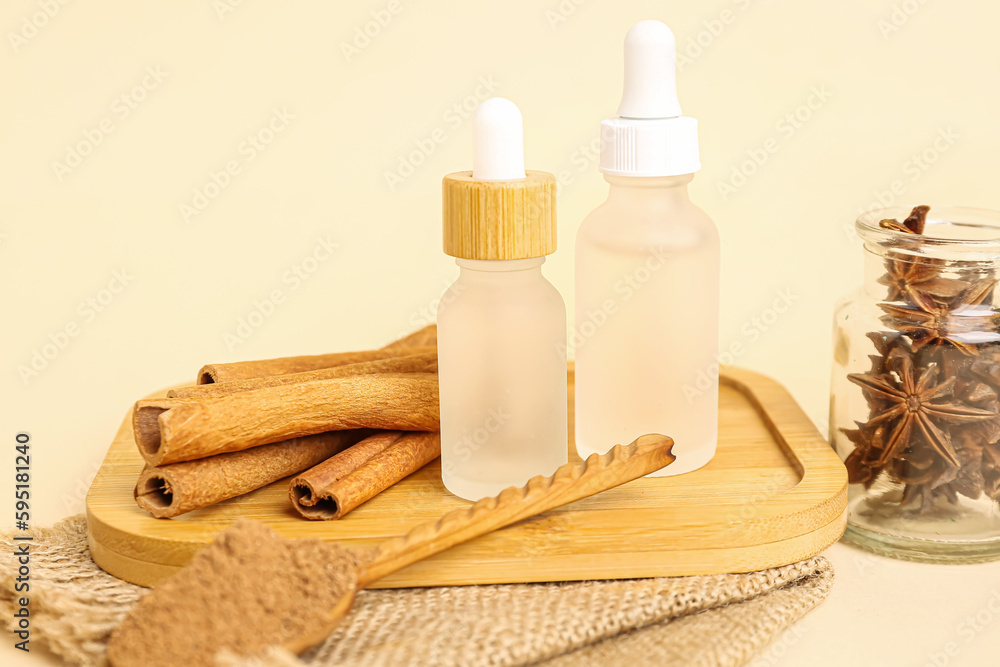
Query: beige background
{"type": "Point", "coordinates": [851, 102]}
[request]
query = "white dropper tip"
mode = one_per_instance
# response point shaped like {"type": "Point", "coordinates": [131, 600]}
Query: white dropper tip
{"type": "Point", "coordinates": [650, 73]}
{"type": "Point", "coordinates": [498, 147]}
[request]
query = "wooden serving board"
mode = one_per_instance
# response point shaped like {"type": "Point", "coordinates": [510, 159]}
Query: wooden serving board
{"type": "Point", "coordinates": [775, 493]}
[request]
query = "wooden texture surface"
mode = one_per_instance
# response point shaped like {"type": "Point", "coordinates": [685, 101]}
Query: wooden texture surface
{"type": "Point", "coordinates": [775, 493]}
{"type": "Point", "coordinates": [499, 219]}
{"type": "Point", "coordinates": [570, 482]}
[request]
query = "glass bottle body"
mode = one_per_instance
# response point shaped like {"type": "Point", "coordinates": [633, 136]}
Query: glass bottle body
{"type": "Point", "coordinates": [647, 320]}
{"type": "Point", "coordinates": [502, 373]}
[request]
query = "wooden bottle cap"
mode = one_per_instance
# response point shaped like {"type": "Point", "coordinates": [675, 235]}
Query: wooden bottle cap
{"type": "Point", "coordinates": [499, 219]}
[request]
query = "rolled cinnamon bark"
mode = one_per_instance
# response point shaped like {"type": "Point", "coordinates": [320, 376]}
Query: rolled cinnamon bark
{"type": "Point", "coordinates": [171, 490]}
{"type": "Point", "coordinates": [335, 487]}
{"type": "Point", "coordinates": [242, 370]}
{"type": "Point", "coordinates": [183, 429]}
{"type": "Point", "coordinates": [426, 337]}
{"type": "Point", "coordinates": [423, 361]}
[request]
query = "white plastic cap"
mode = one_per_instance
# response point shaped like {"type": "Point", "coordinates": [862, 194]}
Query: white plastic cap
{"type": "Point", "coordinates": [650, 137]}
{"type": "Point", "coordinates": [498, 146]}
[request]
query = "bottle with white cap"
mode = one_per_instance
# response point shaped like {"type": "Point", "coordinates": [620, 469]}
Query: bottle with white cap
{"type": "Point", "coordinates": [501, 325]}
{"type": "Point", "coordinates": [647, 274]}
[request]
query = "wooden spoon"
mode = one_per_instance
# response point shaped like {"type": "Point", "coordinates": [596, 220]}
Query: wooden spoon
{"type": "Point", "coordinates": [247, 598]}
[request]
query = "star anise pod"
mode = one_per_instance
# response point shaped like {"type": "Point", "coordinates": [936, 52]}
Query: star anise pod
{"type": "Point", "coordinates": [918, 280]}
{"type": "Point", "coordinates": [862, 463]}
{"type": "Point", "coordinates": [986, 366]}
{"type": "Point", "coordinates": [977, 444]}
{"type": "Point", "coordinates": [958, 324]}
{"type": "Point", "coordinates": [980, 395]}
{"type": "Point", "coordinates": [977, 294]}
{"type": "Point", "coordinates": [991, 471]}
{"type": "Point", "coordinates": [923, 498]}
{"type": "Point", "coordinates": [913, 405]}
{"type": "Point", "coordinates": [918, 464]}
{"type": "Point", "coordinates": [885, 342]}
{"type": "Point", "coordinates": [968, 480]}
{"type": "Point", "coordinates": [914, 223]}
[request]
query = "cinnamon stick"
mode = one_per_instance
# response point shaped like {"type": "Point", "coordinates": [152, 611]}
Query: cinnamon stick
{"type": "Point", "coordinates": [335, 487]}
{"type": "Point", "coordinates": [177, 488]}
{"type": "Point", "coordinates": [426, 337]}
{"type": "Point", "coordinates": [183, 429]}
{"type": "Point", "coordinates": [242, 370]}
{"type": "Point", "coordinates": [422, 360]}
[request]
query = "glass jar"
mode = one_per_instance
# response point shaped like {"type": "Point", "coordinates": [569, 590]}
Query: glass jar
{"type": "Point", "coordinates": [914, 410]}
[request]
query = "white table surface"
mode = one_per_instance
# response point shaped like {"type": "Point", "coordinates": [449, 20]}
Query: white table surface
{"type": "Point", "coordinates": [881, 613]}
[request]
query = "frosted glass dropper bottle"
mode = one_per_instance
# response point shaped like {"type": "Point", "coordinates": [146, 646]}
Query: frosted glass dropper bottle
{"type": "Point", "coordinates": [647, 275]}
{"type": "Point", "coordinates": [501, 325]}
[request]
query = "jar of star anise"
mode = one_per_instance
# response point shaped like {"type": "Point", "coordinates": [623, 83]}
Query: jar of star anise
{"type": "Point", "coordinates": [914, 409]}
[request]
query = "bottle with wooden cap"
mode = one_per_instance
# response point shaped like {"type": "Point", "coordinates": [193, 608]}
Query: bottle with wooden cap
{"type": "Point", "coordinates": [501, 325]}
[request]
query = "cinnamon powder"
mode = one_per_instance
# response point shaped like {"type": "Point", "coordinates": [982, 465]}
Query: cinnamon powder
{"type": "Point", "coordinates": [249, 590]}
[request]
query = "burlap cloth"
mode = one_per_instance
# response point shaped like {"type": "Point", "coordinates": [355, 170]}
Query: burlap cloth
{"type": "Point", "coordinates": [705, 620]}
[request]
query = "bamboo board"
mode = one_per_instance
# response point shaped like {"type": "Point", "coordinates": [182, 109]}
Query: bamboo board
{"type": "Point", "coordinates": [775, 493]}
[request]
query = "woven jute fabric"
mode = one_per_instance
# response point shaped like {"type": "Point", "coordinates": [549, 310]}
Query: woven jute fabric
{"type": "Point", "coordinates": [703, 620]}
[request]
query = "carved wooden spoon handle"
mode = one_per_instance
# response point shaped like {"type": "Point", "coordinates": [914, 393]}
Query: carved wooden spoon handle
{"type": "Point", "coordinates": [570, 482]}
